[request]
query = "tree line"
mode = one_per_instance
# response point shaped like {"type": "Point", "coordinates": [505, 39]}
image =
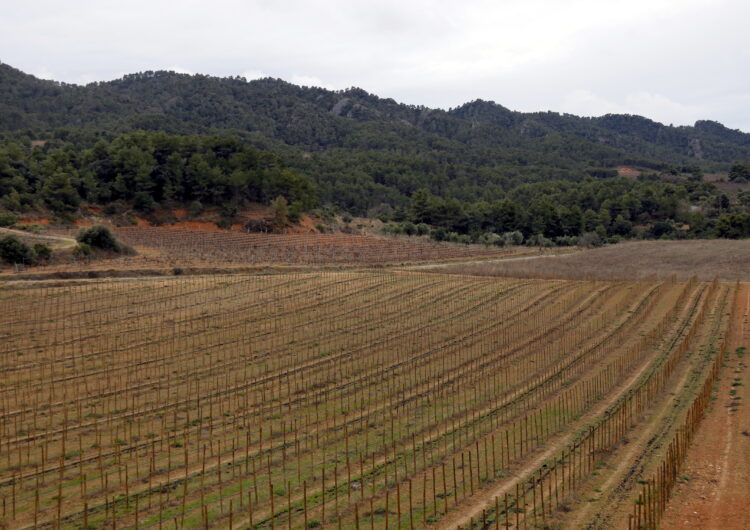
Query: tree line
{"type": "Point", "coordinates": [561, 212]}
{"type": "Point", "coordinates": [145, 170]}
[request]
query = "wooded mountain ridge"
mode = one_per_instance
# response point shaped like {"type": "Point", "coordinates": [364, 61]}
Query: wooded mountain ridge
{"type": "Point", "coordinates": [316, 119]}
{"type": "Point", "coordinates": [476, 169]}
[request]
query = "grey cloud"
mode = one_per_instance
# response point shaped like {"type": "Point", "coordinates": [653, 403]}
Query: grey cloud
{"type": "Point", "coordinates": [672, 60]}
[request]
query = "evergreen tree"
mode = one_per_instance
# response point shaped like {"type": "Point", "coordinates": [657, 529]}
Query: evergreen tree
{"type": "Point", "coordinates": [59, 194]}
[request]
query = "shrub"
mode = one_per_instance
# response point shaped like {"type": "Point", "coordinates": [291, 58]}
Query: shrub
{"type": "Point", "coordinates": [280, 208]}
{"type": "Point", "coordinates": [661, 228]}
{"type": "Point", "coordinates": [8, 219]}
{"type": "Point", "coordinates": [295, 211]}
{"type": "Point", "coordinates": [162, 218]}
{"type": "Point", "coordinates": [99, 236]}
{"type": "Point", "coordinates": [228, 210]}
{"type": "Point", "coordinates": [224, 223]}
{"type": "Point", "coordinates": [452, 237]}
{"type": "Point", "coordinates": [489, 238]}
{"type": "Point", "coordinates": [538, 240]}
{"type": "Point", "coordinates": [12, 201]}
{"type": "Point", "coordinates": [408, 228]}
{"type": "Point", "coordinates": [114, 208]}
{"type": "Point", "coordinates": [195, 209]}
{"type": "Point", "coordinates": [82, 249]}
{"type": "Point", "coordinates": [392, 228]}
{"type": "Point", "coordinates": [439, 234]}
{"type": "Point", "coordinates": [13, 250]}
{"type": "Point", "coordinates": [42, 251]}
{"type": "Point", "coordinates": [423, 229]}
{"type": "Point", "coordinates": [143, 202]}
{"type": "Point", "coordinates": [33, 228]}
{"type": "Point", "coordinates": [739, 173]}
{"type": "Point", "coordinates": [513, 238]}
{"type": "Point", "coordinates": [566, 241]}
{"type": "Point", "coordinates": [326, 213]}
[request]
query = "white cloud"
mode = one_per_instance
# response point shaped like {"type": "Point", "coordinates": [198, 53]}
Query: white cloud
{"type": "Point", "coordinates": [249, 75]}
{"type": "Point", "coordinates": [310, 81]}
{"type": "Point", "coordinates": [656, 106]}
{"type": "Point", "coordinates": [661, 108]}
{"type": "Point", "coordinates": [178, 69]}
{"type": "Point", "coordinates": [585, 103]}
{"type": "Point", "coordinates": [44, 73]}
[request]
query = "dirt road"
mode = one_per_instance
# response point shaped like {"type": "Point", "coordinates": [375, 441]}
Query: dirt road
{"type": "Point", "coordinates": [58, 241]}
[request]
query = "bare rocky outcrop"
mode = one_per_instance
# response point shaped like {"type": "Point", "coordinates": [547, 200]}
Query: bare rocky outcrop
{"type": "Point", "coordinates": [696, 148]}
{"type": "Point", "coordinates": [339, 106]}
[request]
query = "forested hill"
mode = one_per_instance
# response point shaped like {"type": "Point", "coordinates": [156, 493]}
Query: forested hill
{"type": "Point", "coordinates": [315, 118]}
{"type": "Point", "coordinates": [369, 154]}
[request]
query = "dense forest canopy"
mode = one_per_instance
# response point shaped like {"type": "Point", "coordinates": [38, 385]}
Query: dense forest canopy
{"type": "Point", "coordinates": [146, 169]}
{"type": "Point", "coordinates": [165, 138]}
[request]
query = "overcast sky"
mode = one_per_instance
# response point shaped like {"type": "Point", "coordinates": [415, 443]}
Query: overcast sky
{"type": "Point", "coordinates": [674, 61]}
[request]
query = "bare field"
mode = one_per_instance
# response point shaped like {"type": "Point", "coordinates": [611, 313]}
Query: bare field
{"type": "Point", "coordinates": [195, 250]}
{"type": "Point", "coordinates": [161, 250]}
{"type": "Point", "coordinates": [345, 399]}
{"type": "Point", "coordinates": [704, 259]}
{"type": "Point", "coordinates": [297, 249]}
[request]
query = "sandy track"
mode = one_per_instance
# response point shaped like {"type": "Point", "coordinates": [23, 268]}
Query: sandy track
{"type": "Point", "coordinates": [63, 242]}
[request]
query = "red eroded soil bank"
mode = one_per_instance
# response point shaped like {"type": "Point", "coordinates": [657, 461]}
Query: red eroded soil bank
{"type": "Point", "coordinates": [715, 493]}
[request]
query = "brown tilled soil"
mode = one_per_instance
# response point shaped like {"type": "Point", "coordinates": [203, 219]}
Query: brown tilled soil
{"type": "Point", "coordinates": [189, 248]}
{"type": "Point", "coordinates": [706, 259]}
{"type": "Point", "coordinates": [552, 447]}
{"type": "Point", "coordinates": [462, 516]}
{"type": "Point", "coordinates": [721, 181]}
{"type": "Point", "coordinates": [625, 171]}
{"type": "Point", "coordinates": [715, 490]}
{"type": "Point", "coordinates": [610, 502]}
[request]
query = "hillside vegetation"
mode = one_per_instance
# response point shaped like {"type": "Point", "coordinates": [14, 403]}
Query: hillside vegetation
{"type": "Point", "coordinates": [473, 170]}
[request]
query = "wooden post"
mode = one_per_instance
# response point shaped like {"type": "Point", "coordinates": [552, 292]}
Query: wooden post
{"type": "Point", "coordinates": [273, 509]}
{"type": "Point", "coordinates": [411, 509]}
{"type": "Point", "coordinates": [507, 515]}
{"type": "Point", "coordinates": [304, 499]}
{"type": "Point", "coordinates": [398, 503]}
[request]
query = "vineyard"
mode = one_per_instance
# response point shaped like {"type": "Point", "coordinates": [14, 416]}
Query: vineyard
{"type": "Point", "coordinates": [214, 247]}
{"type": "Point", "coordinates": [351, 400]}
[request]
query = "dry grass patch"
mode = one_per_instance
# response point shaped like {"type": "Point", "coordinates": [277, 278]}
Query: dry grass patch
{"type": "Point", "coordinates": [706, 259]}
